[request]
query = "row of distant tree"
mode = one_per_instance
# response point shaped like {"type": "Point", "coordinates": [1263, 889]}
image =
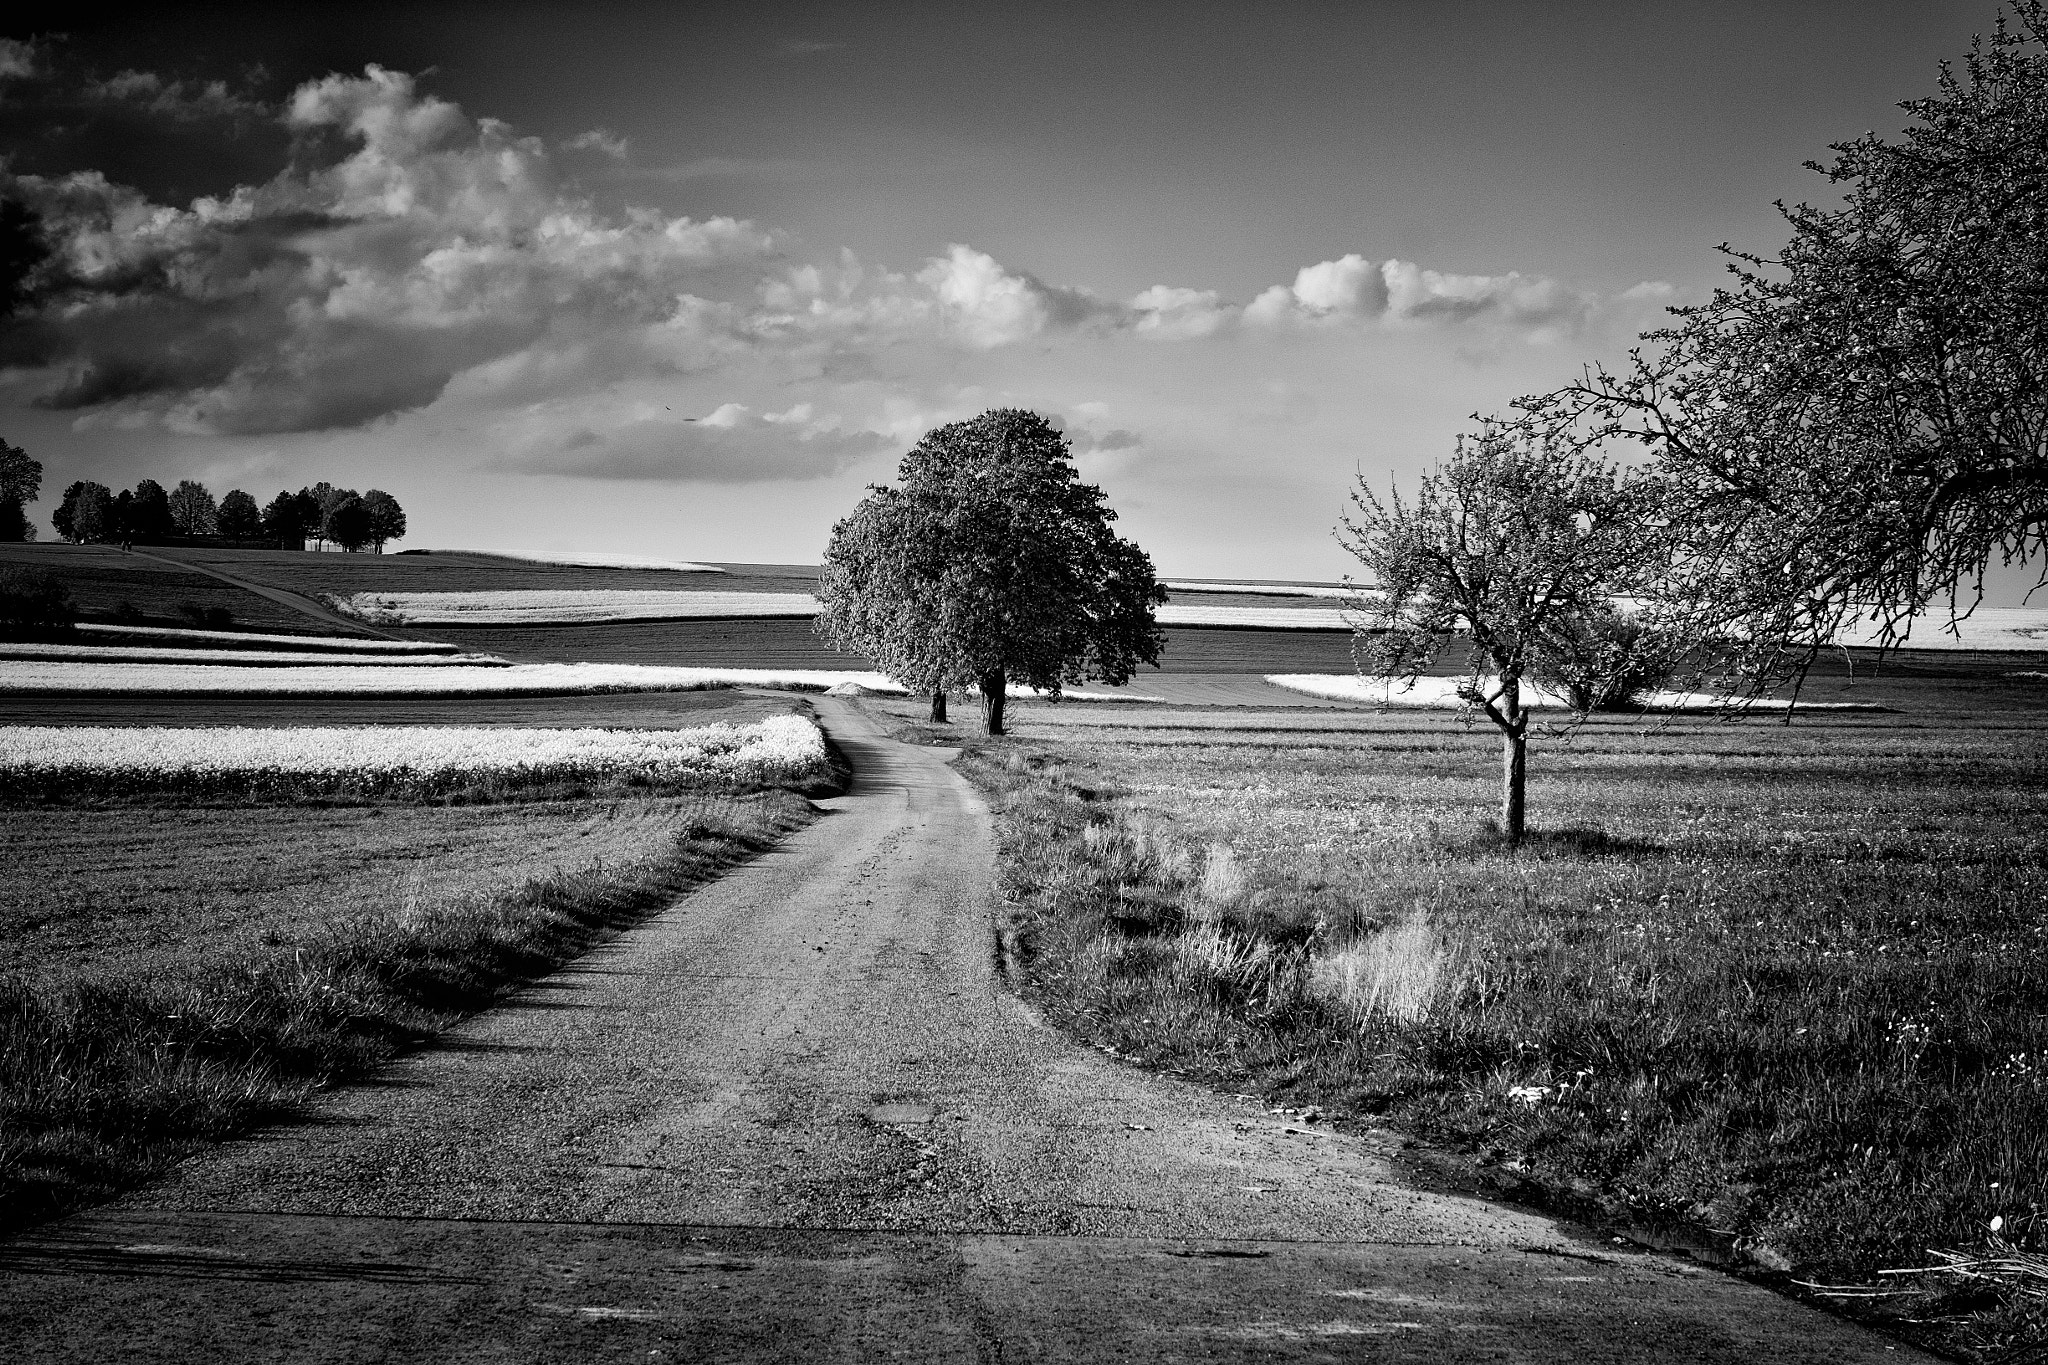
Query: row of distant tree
{"type": "Point", "coordinates": [92, 512]}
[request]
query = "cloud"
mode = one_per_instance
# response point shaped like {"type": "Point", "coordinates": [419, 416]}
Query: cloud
{"type": "Point", "coordinates": [730, 444]}
{"type": "Point", "coordinates": [1087, 426]}
{"type": "Point", "coordinates": [415, 256]}
{"type": "Point", "coordinates": [600, 140]}
{"type": "Point", "coordinates": [182, 101]}
{"type": "Point", "coordinates": [333, 295]}
{"type": "Point", "coordinates": [987, 305]}
{"type": "Point", "coordinates": [18, 59]}
{"type": "Point", "coordinates": [1351, 289]}
{"type": "Point", "coordinates": [1174, 314]}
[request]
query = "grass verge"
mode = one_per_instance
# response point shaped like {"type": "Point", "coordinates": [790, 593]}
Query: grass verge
{"type": "Point", "coordinates": [105, 1080]}
{"type": "Point", "coordinates": [1784, 996]}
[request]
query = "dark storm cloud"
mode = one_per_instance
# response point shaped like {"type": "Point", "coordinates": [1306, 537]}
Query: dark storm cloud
{"type": "Point", "coordinates": [342, 292]}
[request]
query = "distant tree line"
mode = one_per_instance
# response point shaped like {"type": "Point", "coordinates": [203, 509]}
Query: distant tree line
{"type": "Point", "coordinates": [93, 513]}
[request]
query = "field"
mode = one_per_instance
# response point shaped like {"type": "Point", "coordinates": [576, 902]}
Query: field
{"type": "Point", "coordinates": [1776, 993]}
{"type": "Point", "coordinates": [103, 580]}
{"type": "Point", "coordinates": [455, 571]}
{"type": "Point", "coordinates": [204, 924]}
{"type": "Point", "coordinates": [1772, 992]}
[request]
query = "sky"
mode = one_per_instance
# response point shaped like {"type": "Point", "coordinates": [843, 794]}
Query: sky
{"type": "Point", "coordinates": [683, 279]}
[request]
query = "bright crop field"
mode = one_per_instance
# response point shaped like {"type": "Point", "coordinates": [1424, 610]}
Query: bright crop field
{"type": "Point", "coordinates": [1788, 984]}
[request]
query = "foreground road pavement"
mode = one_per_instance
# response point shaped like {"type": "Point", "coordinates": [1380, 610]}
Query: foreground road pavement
{"type": "Point", "coordinates": [796, 1118]}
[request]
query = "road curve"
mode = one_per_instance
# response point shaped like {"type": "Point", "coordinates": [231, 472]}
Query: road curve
{"type": "Point", "coordinates": [796, 1117]}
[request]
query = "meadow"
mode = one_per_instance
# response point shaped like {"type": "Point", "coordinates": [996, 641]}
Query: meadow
{"type": "Point", "coordinates": [1778, 993]}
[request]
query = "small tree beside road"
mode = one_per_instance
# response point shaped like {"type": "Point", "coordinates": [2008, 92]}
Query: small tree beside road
{"type": "Point", "coordinates": [990, 562]}
{"type": "Point", "coordinates": [1510, 546]}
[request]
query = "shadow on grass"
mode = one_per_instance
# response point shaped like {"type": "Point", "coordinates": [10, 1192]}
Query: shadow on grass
{"type": "Point", "coordinates": [1488, 841]}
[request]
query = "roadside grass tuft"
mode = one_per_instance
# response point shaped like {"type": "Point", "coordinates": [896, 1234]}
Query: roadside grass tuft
{"type": "Point", "coordinates": [1799, 1002]}
{"type": "Point", "coordinates": [107, 1079]}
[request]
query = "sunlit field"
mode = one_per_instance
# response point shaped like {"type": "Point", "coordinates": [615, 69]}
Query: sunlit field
{"type": "Point", "coordinates": [220, 904]}
{"type": "Point", "coordinates": [1788, 985]}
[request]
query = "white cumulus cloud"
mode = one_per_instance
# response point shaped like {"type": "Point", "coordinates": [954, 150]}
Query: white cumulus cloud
{"type": "Point", "coordinates": [331, 296]}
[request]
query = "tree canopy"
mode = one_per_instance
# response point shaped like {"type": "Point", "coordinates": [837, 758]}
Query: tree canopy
{"type": "Point", "coordinates": [21, 478]}
{"type": "Point", "coordinates": [1511, 548]}
{"type": "Point", "coordinates": [387, 518]}
{"type": "Point", "coordinates": [348, 523]}
{"type": "Point", "coordinates": [1857, 427]}
{"type": "Point", "coordinates": [193, 510]}
{"type": "Point", "coordinates": [990, 562]}
{"type": "Point", "coordinates": [239, 517]}
{"type": "Point", "coordinates": [21, 483]}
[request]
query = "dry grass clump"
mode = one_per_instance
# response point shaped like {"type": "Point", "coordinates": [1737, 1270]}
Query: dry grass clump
{"type": "Point", "coordinates": [106, 1078]}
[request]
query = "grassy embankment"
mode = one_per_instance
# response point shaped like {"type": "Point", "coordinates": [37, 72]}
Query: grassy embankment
{"type": "Point", "coordinates": [181, 969]}
{"type": "Point", "coordinates": [1790, 985]}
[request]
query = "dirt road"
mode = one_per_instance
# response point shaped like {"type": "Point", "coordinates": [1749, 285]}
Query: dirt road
{"type": "Point", "coordinates": [797, 1118]}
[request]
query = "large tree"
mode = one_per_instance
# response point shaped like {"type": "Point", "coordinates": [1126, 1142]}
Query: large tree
{"type": "Point", "coordinates": [1510, 548]}
{"type": "Point", "coordinates": [193, 510]}
{"type": "Point", "coordinates": [1857, 427]}
{"type": "Point", "coordinates": [348, 524]}
{"type": "Point", "coordinates": [881, 595]}
{"type": "Point", "coordinates": [284, 520]}
{"type": "Point", "coordinates": [21, 483]}
{"type": "Point", "coordinates": [387, 518]}
{"type": "Point", "coordinates": [240, 518]}
{"type": "Point", "coordinates": [85, 513]}
{"type": "Point", "coordinates": [149, 515]}
{"type": "Point", "coordinates": [991, 562]}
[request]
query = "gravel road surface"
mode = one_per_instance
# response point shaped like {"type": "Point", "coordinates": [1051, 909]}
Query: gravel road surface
{"type": "Point", "coordinates": [796, 1117]}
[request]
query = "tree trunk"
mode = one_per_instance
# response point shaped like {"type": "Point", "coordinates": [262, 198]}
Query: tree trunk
{"type": "Point", "coordinates": [938, 706]}
{"type": "Point", "coordinates": [1514, 759]}
{"type": "Point", "coordinates": [1514, 754]}
{"type": "Point", "coordinates": [992, 698]}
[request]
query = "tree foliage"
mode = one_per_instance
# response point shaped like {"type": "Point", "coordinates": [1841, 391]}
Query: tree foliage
{"type": "Point", "coordinates": [1858, 427]}
{"type": "Point", "coordinates": [85, 513]}
{"type": "Point", "coordinates": [282, 520]}
{"type": "Point", "coordinates": [348, 524]}
{"type": "Point", "coordinates": [239, 518]}
{"type": "Point", "coordinates": [1511, 548]}
{"type": "Point", "coordinates": [990, 562]}
{"type": "Point", "coordinates": [149, 514]}
{"type": "Point", "coordinates": [387, 518]}
{"type": "Point", "coordinates": [21, 478]}
{"type": "Point", "coordinates": [33, 605]}
{"type": "Point", "coordinates": [1608, 658]}
{"type": "Point", "coordinates": [193, 511]}
{"type": "Point", "coordinates": [15, 527]}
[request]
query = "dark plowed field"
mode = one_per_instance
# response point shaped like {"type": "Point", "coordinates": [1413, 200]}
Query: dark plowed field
{"type": "Point", "coordinates": [791, 644]}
